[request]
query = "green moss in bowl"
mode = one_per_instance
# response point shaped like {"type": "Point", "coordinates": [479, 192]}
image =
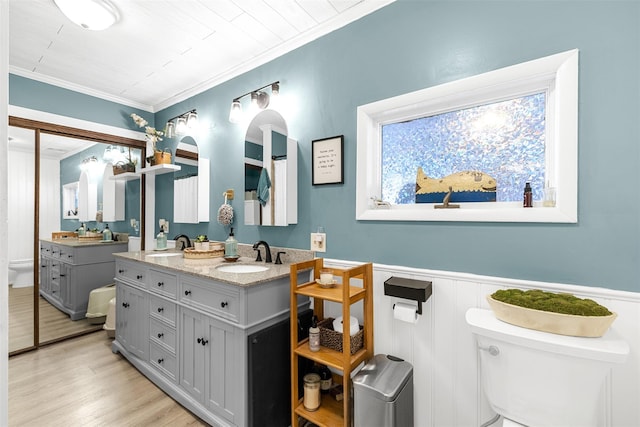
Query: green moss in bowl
{"type": "Point", "coordinates": [548, 301]}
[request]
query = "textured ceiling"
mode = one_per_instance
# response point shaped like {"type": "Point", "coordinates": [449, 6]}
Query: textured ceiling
{"type": "Point", "coordinates": [164, 51]}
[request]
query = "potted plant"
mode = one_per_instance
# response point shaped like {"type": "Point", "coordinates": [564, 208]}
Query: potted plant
{"type": "Point", "coordinates": [559, 313]}
{"type": "Point", "coordinates": [152, 136]}
{"type": "Point", "coordinates": [201, 243]}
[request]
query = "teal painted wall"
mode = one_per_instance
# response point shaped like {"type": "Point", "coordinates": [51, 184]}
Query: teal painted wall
{"type": "Point", "coordinates": [411, 45]}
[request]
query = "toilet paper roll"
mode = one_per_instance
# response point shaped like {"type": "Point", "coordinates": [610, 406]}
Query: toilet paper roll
{"type": "Point", "coordinates": [405, 312]}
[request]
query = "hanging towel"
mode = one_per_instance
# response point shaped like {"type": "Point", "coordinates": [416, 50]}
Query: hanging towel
{"type": "Point", "coordinates": [264, 183]}
{"type": "Point", "coordinates": [185, 200]}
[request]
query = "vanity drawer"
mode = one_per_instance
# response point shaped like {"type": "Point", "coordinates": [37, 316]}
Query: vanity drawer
{"type": "Point", "coordinates": [55, 251]}
{"type": "Point", "coordinates": [66, 254]}
{"type": "Point", "coordinates": [209, 297]}
{"type": "Point", "coordinates": [161, 333]}
{"type": "Point", "coordinates": [163, 283]}
{"type": "Point", "coordinates": [163, 360]}
{"type": "Point", "coordinates": [45, 249]}
{"type": "Point", "coordinates": [131, 273]}
{"type": "Point", "coordinates": [164, 309]}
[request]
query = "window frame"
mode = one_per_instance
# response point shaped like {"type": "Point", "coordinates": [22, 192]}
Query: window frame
{"type": "Point", "coordinates": [557, 75]}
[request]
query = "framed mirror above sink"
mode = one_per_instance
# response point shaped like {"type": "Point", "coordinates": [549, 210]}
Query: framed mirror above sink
{"type": "Point", "coordinates": [271, 172]}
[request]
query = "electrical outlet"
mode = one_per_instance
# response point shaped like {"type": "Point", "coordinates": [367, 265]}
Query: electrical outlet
{"type": "Point", "coordinates": [319, 242]}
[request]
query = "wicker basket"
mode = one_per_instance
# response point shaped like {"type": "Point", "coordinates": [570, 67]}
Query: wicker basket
{"type": "Point", "coordinates": [194, 254]}
{"type": "Point", "coordinates": [333, 340]}
{"type": "Point", "coordinates": [162, 157]}
{"type": "Point", "coordinates": [122, 167]}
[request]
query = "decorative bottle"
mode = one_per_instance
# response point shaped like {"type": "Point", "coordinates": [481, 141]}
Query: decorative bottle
{"type": "Point", "coordinates": [231, 246]}
{"type": "Point", "coordinates": [314, 335]}
{"type": "Point", "coordinates": [107, 235]}
{"type": "Point", "coordinates": [161, 240]}
{"type": "Point", "coordinates": [528, 196]}
{"type": "Point", "coordinates": [82, 229]}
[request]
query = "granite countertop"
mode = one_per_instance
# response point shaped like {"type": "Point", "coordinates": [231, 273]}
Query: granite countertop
{"type": "Point", "coordinates": [172, 259]}
{"type": "Point", "coordinates": [74, 242]}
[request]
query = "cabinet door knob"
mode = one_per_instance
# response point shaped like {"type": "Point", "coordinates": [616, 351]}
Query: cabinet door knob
{"type": "Point", "coordinates": [223, 304]}
{"type": "Point", "coordinates": [160, 309]}
{"type": "Point", "coordinates": [160, 361]}
{"type": "Point", "coordinates": [160, 283]}
{"type": "Point", "coordinates": [120, 271]}
{"type": "Point", "coordinates": [69, 256]}
{"type": "Point", "coordinates": [139, 276]}
{"type": "Point", "coordinates": [62, 275]}
{"type": "Point", "coordinates": [160, 335]}
{"type": "Point", "coordinates": [125, 304]}
{"type": "Point", "coordinates": [204, 342]}
{"type": "Point", "coordinates": [187, 292]}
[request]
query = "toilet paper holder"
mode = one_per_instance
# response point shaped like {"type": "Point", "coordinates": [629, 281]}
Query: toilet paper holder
{"type": "Point", "coordinates": [401, 287]}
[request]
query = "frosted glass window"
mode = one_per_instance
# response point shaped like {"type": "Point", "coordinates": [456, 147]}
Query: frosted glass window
{"type": "Point", "coordinates": [504, 140]}
{"type": "Point", "coordinates": [485, 135]}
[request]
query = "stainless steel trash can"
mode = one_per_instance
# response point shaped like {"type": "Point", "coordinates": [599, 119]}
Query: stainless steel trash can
{"type": "Point", "coordinates": [383, 393]}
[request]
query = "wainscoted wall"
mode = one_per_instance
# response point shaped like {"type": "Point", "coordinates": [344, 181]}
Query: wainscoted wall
{"type": "Point", "coordinates": [447, 387]}
{"type": "Point", "coordinates": [21, 177]}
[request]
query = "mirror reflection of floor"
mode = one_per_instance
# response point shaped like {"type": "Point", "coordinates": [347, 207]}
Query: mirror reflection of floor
{"type": "Point", "coordinates": [54, 324]}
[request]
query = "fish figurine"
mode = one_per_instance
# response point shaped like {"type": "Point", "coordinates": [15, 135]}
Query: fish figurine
{"type": "Point", "coordinates": [465, 186]}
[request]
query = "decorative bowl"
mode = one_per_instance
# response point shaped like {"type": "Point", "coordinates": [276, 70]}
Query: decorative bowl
{"type": "Point", "coordinates": [547, 321]}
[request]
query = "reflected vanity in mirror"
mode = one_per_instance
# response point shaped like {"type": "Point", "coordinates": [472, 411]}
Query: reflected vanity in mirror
{"type": "Point", "coordinates": [47, 159]}
{"type": "Point", "coordinates": [191, 184]}
{"type": "Point", "coordinates": [271, 172]}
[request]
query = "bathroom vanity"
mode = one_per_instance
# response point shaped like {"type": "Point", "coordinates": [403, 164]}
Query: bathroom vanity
{"type": "Point", "coordinates": [71, 269]}
{"type": "Point", "coordinates": [205, 336]}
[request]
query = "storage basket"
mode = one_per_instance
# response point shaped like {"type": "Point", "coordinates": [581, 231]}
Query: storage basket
{"type": "Point", "coordinates": [122, 167]}
{"type": "Point", "coordinates": [333, 340]}
{"type": "Point", "coordinates": [162, 157]}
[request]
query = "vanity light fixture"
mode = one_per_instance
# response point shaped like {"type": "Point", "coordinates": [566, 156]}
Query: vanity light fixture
{"type": "Point", "coordinates": [259, 99]}
{"type": "Point", "coordinates": [93, 15]}
{"type": "Point", "coordinates": [89, 163]}
{"type": "Point", "coordinates": [181, 124]}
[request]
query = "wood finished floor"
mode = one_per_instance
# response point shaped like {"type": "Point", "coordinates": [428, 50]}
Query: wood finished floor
{"type": "Point", "coordinates": [53, 324]}
{"type": "Point", "coordinates": [80, 382]}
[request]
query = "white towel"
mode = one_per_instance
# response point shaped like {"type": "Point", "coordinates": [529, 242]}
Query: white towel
{"type": "Point", "coordinates": [185, 200]}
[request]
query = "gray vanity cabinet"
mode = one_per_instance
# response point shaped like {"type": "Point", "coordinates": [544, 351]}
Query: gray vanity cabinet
{"type": "Point", "coordinates": [207, 360]}
{"type": "Point", "coordinates": [197, 333]}
{"type": "Point", "coordinates": [71, 270]}
{"type": "Point", "coordinates": [132, 319]}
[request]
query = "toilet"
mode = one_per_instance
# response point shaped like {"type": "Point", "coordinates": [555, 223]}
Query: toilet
{"type": "Point", "coordinates": [534, 378]}
{"type": "Point", "coordinates": [21, 273]}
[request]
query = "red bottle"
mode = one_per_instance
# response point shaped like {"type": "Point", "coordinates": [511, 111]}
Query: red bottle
{"type": "Point", "coordinates": [528, 196]}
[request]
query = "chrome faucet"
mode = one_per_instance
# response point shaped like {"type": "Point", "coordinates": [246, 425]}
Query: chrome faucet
{"type": "Point", "coordinates": [256, 247]}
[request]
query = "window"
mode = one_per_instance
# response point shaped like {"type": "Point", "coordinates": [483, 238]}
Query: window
{"type": "Point", "coordinates": [509, 126]}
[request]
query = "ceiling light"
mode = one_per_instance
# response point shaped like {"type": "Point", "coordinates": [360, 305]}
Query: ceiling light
{"type": "Point", "coordinates": [181, 124]}
{"type": "Point", "coordinates": [259, 100]}
{"type": "Point", "coordinates": [89, 14]}
{"type": "Point", "coordinates": [235, 115]}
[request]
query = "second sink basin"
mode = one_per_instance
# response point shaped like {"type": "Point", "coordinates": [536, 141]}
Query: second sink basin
{"type": "Point", "coordinates": [242, 268]}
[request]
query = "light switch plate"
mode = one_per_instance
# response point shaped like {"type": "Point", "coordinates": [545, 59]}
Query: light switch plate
{"type": "Point", "coordinates": [319, 242]}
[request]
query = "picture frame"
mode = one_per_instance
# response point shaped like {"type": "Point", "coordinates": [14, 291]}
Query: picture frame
{"type": "Point", "coordinates": [327, 160]}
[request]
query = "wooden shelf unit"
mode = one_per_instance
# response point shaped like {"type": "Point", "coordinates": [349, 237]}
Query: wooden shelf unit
{"type": "Point", "coordinates": [331, 412]}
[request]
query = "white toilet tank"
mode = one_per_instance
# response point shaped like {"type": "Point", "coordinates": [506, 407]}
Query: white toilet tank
{"type": "Point", "coordinates": [542, 379]}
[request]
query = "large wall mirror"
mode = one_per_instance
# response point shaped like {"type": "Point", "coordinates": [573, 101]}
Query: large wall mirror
{"type": "Point", "coordinates": [271, 172]}
{"type": "Point", "coordinates": [55, 174]}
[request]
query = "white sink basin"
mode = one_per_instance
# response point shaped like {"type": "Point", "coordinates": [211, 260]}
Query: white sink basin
{"type": "Point", "coordinates": [242, 268]}
{"type": "Point", "coordinates": [164, 254]}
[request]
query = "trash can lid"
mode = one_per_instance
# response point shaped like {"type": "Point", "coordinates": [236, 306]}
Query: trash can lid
{"type": "Point", "coordinates": [383, 376]}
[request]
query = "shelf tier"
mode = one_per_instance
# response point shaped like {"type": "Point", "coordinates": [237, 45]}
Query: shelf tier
{"type": "Point", "coordinates": [330, 357]}
{"type": "Point", "coordinates": [335, 294]}
{"type": "Point", "coordinates": [160, 169]}
{"type": "Point", "coordinates": [329, 414]}
{"type": "Point", "coordinates": [126, 176]}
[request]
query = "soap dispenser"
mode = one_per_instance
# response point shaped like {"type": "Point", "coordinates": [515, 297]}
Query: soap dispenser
{"type": "Point", "coordinates": [82, 229]}
{"type": "Point", "coordinates": [231, 246]}
{"type": "Point", "coordinates": [161, 240]}
{"type": "Point", "coordinates": [107, 235]}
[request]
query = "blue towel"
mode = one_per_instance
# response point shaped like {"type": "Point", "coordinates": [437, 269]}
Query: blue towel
{"type": "Point", "coordinates": [264, 183]}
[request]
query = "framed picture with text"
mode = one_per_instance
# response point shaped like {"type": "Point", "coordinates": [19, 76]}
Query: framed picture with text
{"type": "Point", "coordinates": [327, 161]}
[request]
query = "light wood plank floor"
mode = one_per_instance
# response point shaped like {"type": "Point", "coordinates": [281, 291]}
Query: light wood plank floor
{"type": "Point", "coordinates": [80, 382]}
{"type": "Point", "coordinates": [54, 324]}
